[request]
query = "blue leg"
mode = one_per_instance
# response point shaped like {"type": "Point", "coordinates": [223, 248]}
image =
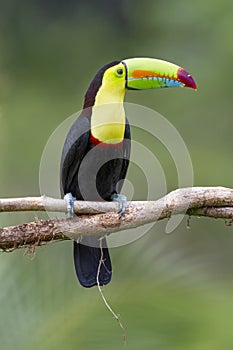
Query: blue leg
{"type": "Point", "coordinates": [122, 200]}
{"type": "Point", "coordinates": [70, 205]}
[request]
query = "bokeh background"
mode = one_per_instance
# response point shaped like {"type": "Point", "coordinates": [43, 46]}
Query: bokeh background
{"type": "Point", "coordinates": [172, 291]}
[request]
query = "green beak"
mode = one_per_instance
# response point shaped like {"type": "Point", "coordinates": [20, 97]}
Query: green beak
{"type": "Point", "coordinates": [150, 73]}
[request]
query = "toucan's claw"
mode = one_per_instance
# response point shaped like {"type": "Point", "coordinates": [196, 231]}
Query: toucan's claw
{"type": "Point", "coordinates": [122, 200]}
{"type": "Point", "coordinates": [70, 205]}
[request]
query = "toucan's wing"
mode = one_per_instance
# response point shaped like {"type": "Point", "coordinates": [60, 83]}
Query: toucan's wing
{"type": "Point", "coordinates": [75, 148]}
{"type": "Point", "coordinates": [87, 255]}
{"type": "Point", "coordinates": [126, 150]}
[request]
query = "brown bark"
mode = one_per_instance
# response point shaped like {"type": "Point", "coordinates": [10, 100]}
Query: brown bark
{"type": "Point", "coordinates": [101, 218]}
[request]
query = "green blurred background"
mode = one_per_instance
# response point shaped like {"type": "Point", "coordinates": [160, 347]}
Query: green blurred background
{"type": "Point", "coordinates": [172, 291]}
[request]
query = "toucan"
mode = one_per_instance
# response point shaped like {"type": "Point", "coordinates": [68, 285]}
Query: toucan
{"type": "Point", "coordinates": [96, 151]}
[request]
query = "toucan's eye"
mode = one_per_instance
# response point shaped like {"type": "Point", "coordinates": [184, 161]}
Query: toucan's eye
{"type": "Point", "coordinates": [119, 72]}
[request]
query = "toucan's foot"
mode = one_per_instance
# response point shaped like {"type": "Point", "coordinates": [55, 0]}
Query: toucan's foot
{"type": "Point", "coordinates": [122, 200]}
{"type": "Point", "coordinates": [70, 205]}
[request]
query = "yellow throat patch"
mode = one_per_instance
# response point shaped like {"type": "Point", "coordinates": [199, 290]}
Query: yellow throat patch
{"type": "Point", "coordinates": [108, 114]}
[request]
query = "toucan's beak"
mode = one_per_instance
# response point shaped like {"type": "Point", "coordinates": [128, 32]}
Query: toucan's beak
{"type": "Point", "coordinates": [150, 73]}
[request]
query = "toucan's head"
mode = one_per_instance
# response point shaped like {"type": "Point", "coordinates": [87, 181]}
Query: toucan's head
{"type": "Point", "coordinates": [111, 81]}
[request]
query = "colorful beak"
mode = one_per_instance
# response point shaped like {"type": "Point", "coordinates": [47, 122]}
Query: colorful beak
{"type": "Point", "coordinates": [150, 73]}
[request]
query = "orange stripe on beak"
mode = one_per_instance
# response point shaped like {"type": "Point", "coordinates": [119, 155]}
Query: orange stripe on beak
{"type": "Point", "coordinates": [144, 74]}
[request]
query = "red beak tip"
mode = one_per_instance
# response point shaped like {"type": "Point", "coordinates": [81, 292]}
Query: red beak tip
{"type": "Point", "coordinates": [185, 78]}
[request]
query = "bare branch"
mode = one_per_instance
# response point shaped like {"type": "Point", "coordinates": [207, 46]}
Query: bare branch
{"type": "Point", "coordinates": [212, 202]}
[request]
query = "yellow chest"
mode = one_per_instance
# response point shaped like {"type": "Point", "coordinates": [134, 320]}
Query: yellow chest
{"type": "Point", "coordinates": [108, 123]}
{"type": "Point", "coordinates": [108, 114]}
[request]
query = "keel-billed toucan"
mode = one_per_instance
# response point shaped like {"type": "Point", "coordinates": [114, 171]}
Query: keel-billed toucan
{"type": "Point", "coordinates": [97, 148]}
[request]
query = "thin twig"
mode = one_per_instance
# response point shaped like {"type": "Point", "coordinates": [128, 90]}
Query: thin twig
{"type": "Point", "coordinates": [117, 318]}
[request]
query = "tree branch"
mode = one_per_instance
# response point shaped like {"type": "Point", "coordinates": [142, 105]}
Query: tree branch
{"type": "Point", "coordinates": [101, 218]}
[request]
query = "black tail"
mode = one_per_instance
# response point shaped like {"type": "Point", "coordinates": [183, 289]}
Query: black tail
{"type": "Point", "coordinates": [87, 260]}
